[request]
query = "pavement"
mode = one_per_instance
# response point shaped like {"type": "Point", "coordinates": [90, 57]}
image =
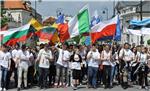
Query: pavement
{"type": "Point", "coordinates": [83, 88]}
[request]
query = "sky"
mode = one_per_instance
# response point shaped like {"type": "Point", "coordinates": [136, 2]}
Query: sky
{"type": "Point", "coordinates": [71, 7]}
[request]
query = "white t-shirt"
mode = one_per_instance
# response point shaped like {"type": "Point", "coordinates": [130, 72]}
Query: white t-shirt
{"type": "Point", "coordinates": [6, 60]}
{"type": "Point", "coordinates": [63, 58]}
{"type": "Point", "coordinates": [44, 55]}
{"type": "Point", "coordinates": [126, 54]}
{"type": "Point", "coordinates": [76, 64]}
{"type": "Point", "coordinates": [23, 57]}
{"type": "Point", "coordinates": [2, 54]}
{"type": "Point", "coordinates": [142, 57]}
{"type": "Point", "coordinates": [14, 54]}
{"type": "Point", "coordinates": [106, 56]}
{"type": "Point", "coordinates": [94, 60]}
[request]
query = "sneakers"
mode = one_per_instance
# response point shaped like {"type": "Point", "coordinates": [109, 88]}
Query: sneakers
{"type": "Point", "coordinates": [18, 89]}
{"type": "Point", "coordinates": [146, 87]}
{"type": "Point", "coordinates": [4, 89]}
{"type": "Point", "coordinates": [140, 87]}
{"type": "Point", "coordinates": [0, 89]}
{"type": "Point", "coordinates": [74, 88]}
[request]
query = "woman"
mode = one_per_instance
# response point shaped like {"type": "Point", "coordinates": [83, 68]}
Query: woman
{"type": "Point", "coordinates": [76, 67]}
{"type": "Point", "coordinates": [134, 65]}
{"type": "Point", "coordinates": [142, 59]}
{"type": "Point", "coordinates": [106, 58]}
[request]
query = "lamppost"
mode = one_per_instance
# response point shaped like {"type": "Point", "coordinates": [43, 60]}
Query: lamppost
{"type": "Point", "coordinates": [105, 11]}
{"type": "Point", "coordinates": [141, 18]}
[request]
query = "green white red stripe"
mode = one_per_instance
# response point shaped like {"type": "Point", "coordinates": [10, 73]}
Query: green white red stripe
{"type": "Point", "coordinates": [17, 34]}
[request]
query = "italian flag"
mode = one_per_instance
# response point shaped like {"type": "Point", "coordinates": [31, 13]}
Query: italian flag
{"type": "Point", "coordinates": [21, 34]}
{"type": "Point", "coordinates": [78, 25]}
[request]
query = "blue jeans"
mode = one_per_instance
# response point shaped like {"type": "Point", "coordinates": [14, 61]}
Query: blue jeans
{"type": "Point", "coordinates": [4, 76]}
{"type": "Point", "coordinates": [113, 73]}
{"type": "Point", "coordinates": [92, 75]}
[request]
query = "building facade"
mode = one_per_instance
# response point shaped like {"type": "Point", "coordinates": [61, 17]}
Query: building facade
{"type": "Point", "coordinates": [19, 12]}
{"type": "Point", "coordinates": [130, 10]}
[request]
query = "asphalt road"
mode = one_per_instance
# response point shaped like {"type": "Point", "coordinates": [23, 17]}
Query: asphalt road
{"type": "Point", "coordinates": [83, 88]}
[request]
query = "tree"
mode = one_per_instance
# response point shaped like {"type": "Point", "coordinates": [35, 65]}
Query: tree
{"type": "Point", "coordinates": [148, 42]}
{"type": "Point", "coordinates": [4, 19]}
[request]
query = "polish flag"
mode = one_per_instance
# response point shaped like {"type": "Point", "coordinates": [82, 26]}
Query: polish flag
{"type": "Point", "coordinates": [104, 29]}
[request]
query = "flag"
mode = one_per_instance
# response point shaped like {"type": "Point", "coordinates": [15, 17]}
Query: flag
{"type": "Point", "coordinates": [146, 29]}
{"type": "Point", "coordinates": [144, 22]}
{"type": "Point", "coordinates": [55, 38]}
{"type": "Point", "coordinates": [35, 24]}
{"type": "Point", "coordinates": [15, 35]}
{"type": "Point", "coordinates": [60, 19]}
{"type": "Point", "coordinates": [78, 25]}
{"type": "Point", "coordinates": [104, 29]}
{"type": "Point", "coordinates": [63, 32]}
{"type": "Point", "coordinates": [95, 19]}
{"type": "Point", "coordinates": [4, 28]}
{"type": "Point", "coordinates": [117, 36]}
{"type": "Point", "coordinates": [46, 33]}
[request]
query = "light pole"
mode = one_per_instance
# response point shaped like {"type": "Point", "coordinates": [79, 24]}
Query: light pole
{"type": "Point", "coordinates": [35, 9]}
{"type": "Point", "coordinates": [141, 17]}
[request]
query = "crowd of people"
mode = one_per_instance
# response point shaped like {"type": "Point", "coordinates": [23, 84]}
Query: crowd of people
{"type": "Point", "coordinates": [60, 66]}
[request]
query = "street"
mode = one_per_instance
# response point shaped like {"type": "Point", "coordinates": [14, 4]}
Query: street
{"type": "Point", "coordinates": [83, 88]}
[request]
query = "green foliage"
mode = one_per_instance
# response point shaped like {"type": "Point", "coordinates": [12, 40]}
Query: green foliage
{"type": "Point", "coordinates": [4, 19]}
{"type": "Point", "coordinates": [148, 42]}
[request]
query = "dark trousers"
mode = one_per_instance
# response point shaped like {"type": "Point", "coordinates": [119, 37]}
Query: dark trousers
{"type": "Point", "coordinates": [52, 74]}
{"type": "Point", "coordinates": [83, 73]}
{"type": "Point", "coordinates": [134, 76]}
{"type": "Point", "coordinates": [30, 75]}
{"type": "Point", "coordinates": [9, 74]}
{"type": "Point", "coordinates": [143, 76]}
{"type": "Point", "coordinates": [43, 77]}
{"type": "Point", "coordinates": [106, 75]}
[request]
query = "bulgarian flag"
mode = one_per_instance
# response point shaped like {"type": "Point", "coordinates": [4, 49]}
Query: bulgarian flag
{"type": "Point", "coordinates": [78, 25]}
{"type": "Point", "coordinates": [21, 34]}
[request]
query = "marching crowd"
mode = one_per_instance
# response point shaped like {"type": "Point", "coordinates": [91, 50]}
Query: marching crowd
{"type": "Point", "coordinates": [66, 65]}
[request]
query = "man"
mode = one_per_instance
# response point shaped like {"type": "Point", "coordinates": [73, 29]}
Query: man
{"type": "Point", "coordinates": [62, 66]}
{"type": "Point", "coordinates": [22, 60]}
{"type": "Point", "coordinates": [44, 58]}
{"type": "Point", "coordinates": [13, 67]}
{"type": "Point", "coordinates": [5, 66]}
{"type": "Point", "coordinates": [93, 58]}
{"type": "Point", "coordinates": [52, 69]}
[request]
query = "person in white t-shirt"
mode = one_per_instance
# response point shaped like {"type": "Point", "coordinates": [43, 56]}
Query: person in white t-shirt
{"type": "Point", "coordinates": [93, 58]}
{"type": "Point", "coordinates": [126, 56]}
{"type": "Point", "coordinates": [106, 58]}
{"type": "Point", "coordinates": [44, 58]}
{"type": "Point", "coordinates": [22, 58]}
{"type": "Point", "coordinates": [5, 66]}
{"type": "Point", "coordinates": [62, 66]}
{"type": "Point", "coordinates": [2, 54]}
{"type": "Point", "coordinates": [76, 60]}
{"type": "Point", "coordinates": [13, 68]}
{"type": "Point", "coordinates": [142, 59]}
